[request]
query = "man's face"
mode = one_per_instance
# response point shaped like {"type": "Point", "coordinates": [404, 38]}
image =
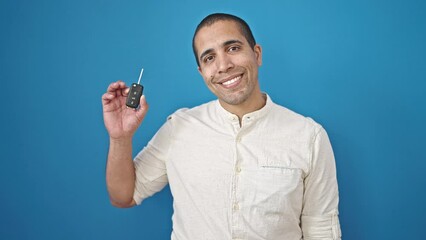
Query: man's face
{"type": "Point", "coordinates": [228, 64]}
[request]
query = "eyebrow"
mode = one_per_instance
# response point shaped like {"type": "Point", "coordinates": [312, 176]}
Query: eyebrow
{"type": "Point", "coordinates": [227, 43]}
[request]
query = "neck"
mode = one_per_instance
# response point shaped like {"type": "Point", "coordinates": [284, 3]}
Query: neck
{"type": "Point", "coordinates": [252, 104]}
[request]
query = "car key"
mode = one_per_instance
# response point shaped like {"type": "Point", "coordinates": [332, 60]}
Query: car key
{"type": "Point", "coordinates": [135, 93]}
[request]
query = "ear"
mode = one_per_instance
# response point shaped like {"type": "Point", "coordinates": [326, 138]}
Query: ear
{"type": "Point", "coordinates": [258, 53]}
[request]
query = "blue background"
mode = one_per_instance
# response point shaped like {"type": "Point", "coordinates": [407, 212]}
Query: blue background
{"type": "Point", "coordinates": [356, 67]}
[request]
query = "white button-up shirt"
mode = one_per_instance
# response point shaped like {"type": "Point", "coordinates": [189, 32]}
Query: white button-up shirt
{"type": "Point", "coordinates": [273, 177]}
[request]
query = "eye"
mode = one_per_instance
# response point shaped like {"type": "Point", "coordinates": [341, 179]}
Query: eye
{"type": "Point", "coordinates": [233, 48]}
{"type": "Point", "coordinates": [208, 58]}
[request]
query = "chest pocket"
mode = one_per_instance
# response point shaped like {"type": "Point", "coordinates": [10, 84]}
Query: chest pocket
{"type": "Point", "coordinates": [275, 196]}
{"type": "Point", "coordinates": [278, 184]}
{"type": "Point", "coordinates": [279, 177]}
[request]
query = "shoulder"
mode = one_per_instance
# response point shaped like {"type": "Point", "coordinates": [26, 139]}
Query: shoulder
{"type": "Point", "coordinates": [189, 114]}
{"type": "Point", "coordinates": [290, 119]}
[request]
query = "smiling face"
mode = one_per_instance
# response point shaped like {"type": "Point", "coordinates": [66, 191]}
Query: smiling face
{"type": "Point", "coordinates": [229, 65]}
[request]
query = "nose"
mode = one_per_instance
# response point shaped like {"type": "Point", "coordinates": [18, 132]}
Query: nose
{"type": "Point", "coordinates": [224, 63]}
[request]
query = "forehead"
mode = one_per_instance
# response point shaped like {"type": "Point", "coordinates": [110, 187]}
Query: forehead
{"type": "Point", "coordinates": [216, 34]}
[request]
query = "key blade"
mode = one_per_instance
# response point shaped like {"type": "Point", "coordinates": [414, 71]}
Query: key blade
{"type": "Point", "coordinates": [140, 76]}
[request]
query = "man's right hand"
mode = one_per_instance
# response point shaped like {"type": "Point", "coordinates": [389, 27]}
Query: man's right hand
{"type": "Point", "coordinates": [120, 120]}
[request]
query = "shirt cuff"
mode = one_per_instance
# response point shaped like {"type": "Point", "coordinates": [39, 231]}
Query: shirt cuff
{"type": "Point", "coordinates": [325, 227]}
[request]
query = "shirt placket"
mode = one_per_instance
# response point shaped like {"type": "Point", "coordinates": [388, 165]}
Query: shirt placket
{"type": "Point", "coordinates": [237, 228]}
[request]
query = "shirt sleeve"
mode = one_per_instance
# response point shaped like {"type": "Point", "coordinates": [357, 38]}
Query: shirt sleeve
{"type": "Point", "coordinates": [150, 165]}
{"type": "Point", "coordinates": [319, 218]}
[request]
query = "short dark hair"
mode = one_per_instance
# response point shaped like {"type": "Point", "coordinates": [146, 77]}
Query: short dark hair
{"type": "Point", "coordinates": [215, 17]}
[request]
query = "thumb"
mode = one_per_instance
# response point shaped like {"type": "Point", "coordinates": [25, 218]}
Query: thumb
{"type": "Point", "coordinates": [143, 108]}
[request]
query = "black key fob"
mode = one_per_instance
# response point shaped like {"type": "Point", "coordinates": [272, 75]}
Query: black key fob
{"type": "Point", "coordinates": [134, 96]}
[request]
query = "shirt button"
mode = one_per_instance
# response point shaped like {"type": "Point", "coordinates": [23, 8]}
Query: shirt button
{"type": "Point", "coordinates": [236, 206]}
{"type": "Point", "coordinates": [238, 169]}
{"type": "Point", "coordinates": [238, 139]}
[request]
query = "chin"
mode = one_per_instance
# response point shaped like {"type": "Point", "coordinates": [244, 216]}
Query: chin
{"type": "Point", "coordinates": [234, 100]}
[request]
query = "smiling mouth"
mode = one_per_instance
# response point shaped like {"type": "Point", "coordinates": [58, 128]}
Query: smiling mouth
{"type": "Point", "coordinates": [232, 81]}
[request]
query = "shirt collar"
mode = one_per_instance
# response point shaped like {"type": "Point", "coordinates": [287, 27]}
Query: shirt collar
{"type": "Point", "coordinates": [249, 116]}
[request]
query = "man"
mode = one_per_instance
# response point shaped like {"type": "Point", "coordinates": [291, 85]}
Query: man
{"type": "Point", "coordinates": [240, 167]}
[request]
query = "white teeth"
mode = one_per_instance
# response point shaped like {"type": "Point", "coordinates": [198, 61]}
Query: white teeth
{"type": "Point", "coordinates": [231, 81]}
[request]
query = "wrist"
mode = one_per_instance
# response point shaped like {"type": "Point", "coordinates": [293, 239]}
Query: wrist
{"type": "Point", "coordinates": [120, 140]}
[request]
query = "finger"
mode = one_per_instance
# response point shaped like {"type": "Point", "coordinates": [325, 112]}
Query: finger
{"type": "Point", "coordinates": [121, 84]}
{"type": "Point", "coordinates": [125, 91]}
{"type": "Point", "coordinates": [107, 97]}
{"type": "Point", "coordinates": [116, 86]}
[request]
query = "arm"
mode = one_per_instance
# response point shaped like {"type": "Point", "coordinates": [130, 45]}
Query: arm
{"type": "Point", "coordinates": [319, 218]}
{"type": "Point", "coordinates": [121, 123]}
{"type": "Point", "coordinates": [120, 173]}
